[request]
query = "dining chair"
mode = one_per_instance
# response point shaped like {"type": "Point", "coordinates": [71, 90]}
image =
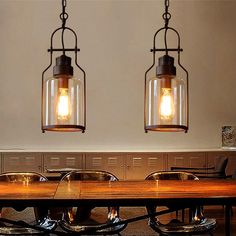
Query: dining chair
{"type": "Point", "coordinates": [197, 224]}
{"type": "Point", "coordinates": [214, 172]}
{"type": "Point", "coordinates": [81, 219]}
{"type": "Point", "coordinates": [43, 221]}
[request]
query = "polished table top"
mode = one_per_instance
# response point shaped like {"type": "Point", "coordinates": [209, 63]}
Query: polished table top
{"type": "Point", "coordinates": [132, 193]}
{"type": "Point", "coordinates": [27, 194]}
{"type": "Point", "coordinates": [123, 193]}
{"type": "Point", "coordinates": [138, 192]}
{"type": "Point", "coordinates": [26, 190]}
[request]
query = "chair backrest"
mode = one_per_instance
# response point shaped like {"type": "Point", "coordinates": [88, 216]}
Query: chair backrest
{"type": "Point", "coordinates": [81, 214]}
{"type": "Point", "coordinates": [171, 175]}
{"type": "Point", "coordinates": [22, 177]}
{"type": "Point", "coordinates": [221, 164]}
{"type": "Point", "coordinates": [89, 175]}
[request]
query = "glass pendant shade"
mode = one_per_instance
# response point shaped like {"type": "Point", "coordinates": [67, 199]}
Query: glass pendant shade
{"type": "Point", "coordinates": [166, 98]}
{"type": "Point", "coordinates": [63, 99]}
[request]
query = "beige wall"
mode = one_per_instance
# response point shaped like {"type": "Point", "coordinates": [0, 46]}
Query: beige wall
{"type": "Point", "coordinates": [115, 37]}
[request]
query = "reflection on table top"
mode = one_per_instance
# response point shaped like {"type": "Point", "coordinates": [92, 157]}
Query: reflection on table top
{"type": "Point", "coordinates": [137, 191]}
{"type": "Point", "coordinates": [26, 190]}
{"type": "Point", "coordinates": [119, 192]}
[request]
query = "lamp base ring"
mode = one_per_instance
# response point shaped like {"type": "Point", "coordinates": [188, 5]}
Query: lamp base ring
{"type": "Point", "coordinates": [167, 128]}
{"type": "Point", "coordinates": [64, 128]}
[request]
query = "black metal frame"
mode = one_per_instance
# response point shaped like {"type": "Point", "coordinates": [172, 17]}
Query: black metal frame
{"type": "Point", "coordinates": [63, 28]}
{"type": "Point", "coordinates": [166, 16]}
{"type": "Point", "coordinates": [179, 203]}
{"type": "Point", "coordinates": [86, 231]}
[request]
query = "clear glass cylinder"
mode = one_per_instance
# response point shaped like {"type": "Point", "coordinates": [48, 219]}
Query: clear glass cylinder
{"type": "Point", "coordinates": [63, 104]}
{"type": "Point", "coordinates": [166, 104]}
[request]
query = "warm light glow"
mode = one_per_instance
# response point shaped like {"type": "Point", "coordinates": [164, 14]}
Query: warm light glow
{"type": "Point", "coordinates": [63, 105]}
{"type": "Point", "coordinates": [167, 105]}
{"type": "Point", "coordinates": [71, 215]}
{"type": "Point", "coordinates": [26, 181]}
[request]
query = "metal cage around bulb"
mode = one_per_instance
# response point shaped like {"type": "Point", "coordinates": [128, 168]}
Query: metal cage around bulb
{"type": "Point", "coordinates": [63, 95]}
{"type": "Point", "coordinates": [166, 93]}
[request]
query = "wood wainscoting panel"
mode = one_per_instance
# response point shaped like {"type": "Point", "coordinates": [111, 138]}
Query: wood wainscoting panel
{"type": "Point", "coordinates": [16, 161]}
{"type": "Point", "coordinates": [140, 165]}
{"type": "Point", "coordinates": [187, 159]}
{"type": "Point", "coordinates": [111, 162]}
{"type": "Point", "coordinates": [125, 165]}
{"type": "Point", "coordinates": [62, 160]}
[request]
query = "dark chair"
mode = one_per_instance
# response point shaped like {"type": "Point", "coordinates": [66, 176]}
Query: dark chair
{"type": "Point", "coordinates": [234, 175]}
{"type": "Point", "coordinates": [79, 219]}
{"type": "Point", "coordinates": [41, 215]}
{"type": "Point", "coordinates": [214, 172]}
{"type": "Point", "coordinates": [198, 223]}
{"type": "Point", "coordinates": [233, 178]}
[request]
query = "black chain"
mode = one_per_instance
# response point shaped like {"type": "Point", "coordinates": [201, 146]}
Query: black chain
{"type": "Point", "coordinates": [166, 16]}
{"type": "Point", "coordinates": [63, 15]}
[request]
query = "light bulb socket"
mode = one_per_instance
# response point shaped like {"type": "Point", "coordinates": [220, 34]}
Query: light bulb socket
{"type": "Point", "coordinates": [63, 66]}
{"type": "Point", "coordinates": [166, 67]}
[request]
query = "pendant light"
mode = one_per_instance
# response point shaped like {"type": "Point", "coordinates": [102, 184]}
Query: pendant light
{"type": "Point", "coordinates": [63, 94]}
{"type": "Point", "coordinates": [166, 94]}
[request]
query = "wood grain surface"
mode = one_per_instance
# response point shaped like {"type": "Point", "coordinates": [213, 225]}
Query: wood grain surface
{"type": "Point", "coordinates": [121, 192]}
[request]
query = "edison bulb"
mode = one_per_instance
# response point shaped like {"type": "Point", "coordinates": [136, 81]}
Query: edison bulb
{"type": "Point", "coordinates": [166, 104]}
{"type": "Point", "coordinates": [63, 105]}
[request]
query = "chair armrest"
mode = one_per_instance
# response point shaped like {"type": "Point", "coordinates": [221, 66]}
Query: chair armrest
{"type": "Point", "coordinates": [191, 168]}
{"type": "Point", "coordinates": [210, 177]}
{"type": "Point", "coordinates": [208, 173]}
{"type": "Point", "coordinates": [202, 172]}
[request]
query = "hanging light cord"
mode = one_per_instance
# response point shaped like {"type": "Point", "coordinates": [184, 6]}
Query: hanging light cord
{"type": "Point", "coordinates": [166, 16]}
{"type": "Point", "coordinates": [63, 17]}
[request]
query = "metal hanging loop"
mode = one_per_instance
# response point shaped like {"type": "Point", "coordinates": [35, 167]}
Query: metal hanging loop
{"type": "Point", "coordinates": [166, 16]}
{"type": "Point", "coordinates": [64, 16]}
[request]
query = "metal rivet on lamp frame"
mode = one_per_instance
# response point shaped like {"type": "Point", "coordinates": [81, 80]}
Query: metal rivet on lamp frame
{"type": "Point", "coordinates": [63, 104]}
{"type": "Point", "coordinates": [166, 102]}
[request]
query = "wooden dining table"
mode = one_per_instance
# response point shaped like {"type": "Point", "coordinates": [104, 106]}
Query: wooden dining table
{"type": "Point", "coordinates": [122, 193]}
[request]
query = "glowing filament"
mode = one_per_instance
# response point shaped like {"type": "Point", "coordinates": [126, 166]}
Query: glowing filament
{"type": "Point", "coordinates": [166, 106]}
{"type": "Point", "coordinates": [63, 105]}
